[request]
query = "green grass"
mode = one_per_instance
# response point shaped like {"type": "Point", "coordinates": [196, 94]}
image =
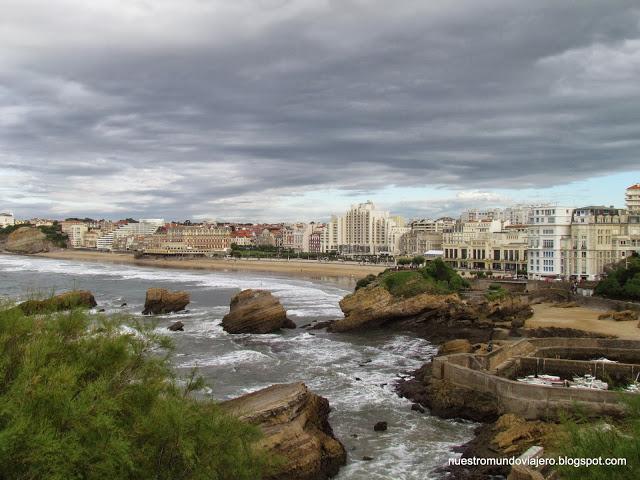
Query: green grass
{"type": "Point", "coordinates": [436, 278]}
{"type": "Point", "coordinates": [584, 438]}
{"type": "Point", "coordinates": [83, 397]}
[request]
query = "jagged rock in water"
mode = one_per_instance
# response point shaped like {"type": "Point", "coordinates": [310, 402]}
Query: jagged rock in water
{"type": "Point", "coordinates": [296, 428]}
{"type": "Point", "coordinates": [380, 427]}
{"type": "Point", "coordinates": [27, 240]}
{"type": "Point", "coordinates": [176, 327]}
{"type": "Point", "coordinates": [161, 300]}
{"type": "Point", "coordinates": [58, 303]}
{"type": "Point", "coordinates": [256, 311]}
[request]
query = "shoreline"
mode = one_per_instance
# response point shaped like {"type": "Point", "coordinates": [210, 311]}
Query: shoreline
{"type": "Point", "coordinates": [288, 267]}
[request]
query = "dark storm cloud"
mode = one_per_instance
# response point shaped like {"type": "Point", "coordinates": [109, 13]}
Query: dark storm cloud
{"type": "Point", "coordinates": [187, 108]}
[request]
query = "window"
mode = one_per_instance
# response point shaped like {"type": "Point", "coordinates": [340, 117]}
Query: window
{"type": "Point", "coordinates": [547, 243]}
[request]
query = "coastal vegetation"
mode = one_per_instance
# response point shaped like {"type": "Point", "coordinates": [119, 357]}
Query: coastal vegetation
{"type": "Point", "coordinates": [622, 282]}
{"type": "Point", "coordinates": [584, 438]}
{"type": "Point", "coordinates": [53, 233]}
{"type": "Point", "coordinates": [436, 278]}
{"type": "Point", "coordinates": [496, 292]}
{"type": "Point", "coordinates": [93, 397]}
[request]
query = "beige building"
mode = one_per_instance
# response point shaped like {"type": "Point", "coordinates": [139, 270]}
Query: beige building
{"type": "Point", "coordinates": [201, 240]}
{"type": "Point", "coordinates": [418, 242]}
{"type": "Point", "coordinates": [632, 199]}
{"type": "Point", "coordinates": [486, 245]}
{"type": "Point", "coordinates": [76, 233]}
{"type": "Point", "coordinates": [362, 231]}
{"type": "Point", "coordinates": [6, 219]}
{"type": "Point", "coordinates": [599, 237]}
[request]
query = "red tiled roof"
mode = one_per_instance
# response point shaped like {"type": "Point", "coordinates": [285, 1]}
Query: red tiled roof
{"type": "Point", "coordinates": [634, 187]}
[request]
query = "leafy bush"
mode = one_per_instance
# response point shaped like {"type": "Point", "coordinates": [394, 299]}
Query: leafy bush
{"type": "Point", "coordinates": [585, 439]}
{"type": "Point", "coordinates": [418, 260]}
{"type": "Point", "coordinates": [496, 292]}
{"type": "Point", "coordinates": [363, 282]}
{"type": "Point", "coordinates": [89, 398]}
{"type": "Point", "coordinates": [623, 282]}
{"type": "Point", "coordinates": [436, 278]}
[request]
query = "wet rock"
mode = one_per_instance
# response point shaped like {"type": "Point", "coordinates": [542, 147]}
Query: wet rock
{"type": "Point", "coordinates": [28, 240]}
{"type": "Point", "coordinates": [101, 310]}
{"type": "Point", "coordinates": [296, 428]}
{"type": "Point", "coordinates": [176, 327]}
{"type": "Point", "coordinates": [367, 458]}
{"type": "Point", "coordinates": [124, 304]}
{"type": "Point", "coordinates": [58, 303]}
{"type": "Point", "coordinates": [358, 379]}
{"type": "Point", "coordinates": [256, 311]}
{"type": "Point", "coordinates": [380, 427]}
{"type": "Point", "coordinates": [160, 300]}
{"type": "Point", "coordinates": [416, 407]}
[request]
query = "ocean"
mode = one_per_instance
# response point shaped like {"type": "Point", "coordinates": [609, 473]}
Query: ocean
{"type": "Point", "coordinates": [355, 372]}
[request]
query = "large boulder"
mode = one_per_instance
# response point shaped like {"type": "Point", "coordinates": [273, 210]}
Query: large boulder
{"type": "Point", "coordinates": [58, 303]}
{"type": "Point", "coordinates": [256, 311]}
{"type": "Point", "coordinates": [161, 300]}
{"type": "Point", "coordinates": [27, 240]}
{"type": "Point", "coordinates": [296, 429]}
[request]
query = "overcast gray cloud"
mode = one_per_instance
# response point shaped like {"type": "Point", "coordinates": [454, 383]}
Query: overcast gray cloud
{"type": "Point", "coordinates": [215, 108]}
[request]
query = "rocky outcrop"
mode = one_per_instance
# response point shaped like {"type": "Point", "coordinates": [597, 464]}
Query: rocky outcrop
{"type": "Point", "coordinates": [256, 311]}
{"type": "Point", "coordinates": [27, 240]}
{"type": "Point", "coordinates": [623, 316]}
{"type": "Point", "coordinates": [446, 400]}
{"type": "Point", "coordinates": [160, 300]}
{"type": "Point", "coordinates": [296, 429]}
{"type": "Point", "coordinates": [460, 345]}
{"type": "Point", "coordinates": [436, 317]}
{"type": "Point", "coordinates": [375, 305]}
{"type": "Point", "coordinates": [58, 303]}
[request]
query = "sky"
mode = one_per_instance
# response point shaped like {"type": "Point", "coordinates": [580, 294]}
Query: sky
{"type": "Point", "coordinates": [284, 110]}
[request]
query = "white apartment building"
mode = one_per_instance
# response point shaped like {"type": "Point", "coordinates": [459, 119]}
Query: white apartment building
{"type": "Point", "coordinates": [632, 199]}
{"type": "Point", "coordinates": [549, 231]}
{"type": "Point", "coordinates": [123, 237]}
{"type": "Point", "coordinates": [363, 230]}
{"type": "Point", "coordinates": [7, 219]}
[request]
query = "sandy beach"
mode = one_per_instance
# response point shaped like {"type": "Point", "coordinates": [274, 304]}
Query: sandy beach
{"type": "Point", "coordinates": [581, 318]}
{"type": "Point", "coordinates": [291, 267]}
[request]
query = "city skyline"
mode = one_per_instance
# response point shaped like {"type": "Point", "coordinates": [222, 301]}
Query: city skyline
{"type": "Point", "coordinates": [188, 109]}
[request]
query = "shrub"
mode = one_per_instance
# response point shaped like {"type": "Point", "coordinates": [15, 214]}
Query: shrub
{"type": "Point", "coordinates": [436, 278]}
{"type": "Point", "coordinates": [585, 439]}
{"type": "Point", "coordinates": [87, 397]}
{"type": "Point", "coordinates": [622, 282]}
{"type": "Point", "coordinates": [496, 292]}
{"type": "Point", "coordinates": [363, 282]}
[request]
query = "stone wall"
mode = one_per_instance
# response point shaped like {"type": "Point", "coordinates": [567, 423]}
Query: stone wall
{"type": "Point", "coordinates": [476, 373]}
{"type": "Point", "coordinates": [528, 401]}
{"type": "Point", "coordinates": [605, 303]}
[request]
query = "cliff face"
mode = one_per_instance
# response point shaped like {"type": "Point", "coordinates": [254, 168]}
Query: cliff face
{"type": "Point", "coordinates": [296, 429]}
{"type": "Point", "coordinates": [255, 311]}
{"type": "Point", "coordinates": [27, 240]}
{"type": "Point", "coordinates": [374, 305]}
{"type": "Point", "coordinates": [438, 317]}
